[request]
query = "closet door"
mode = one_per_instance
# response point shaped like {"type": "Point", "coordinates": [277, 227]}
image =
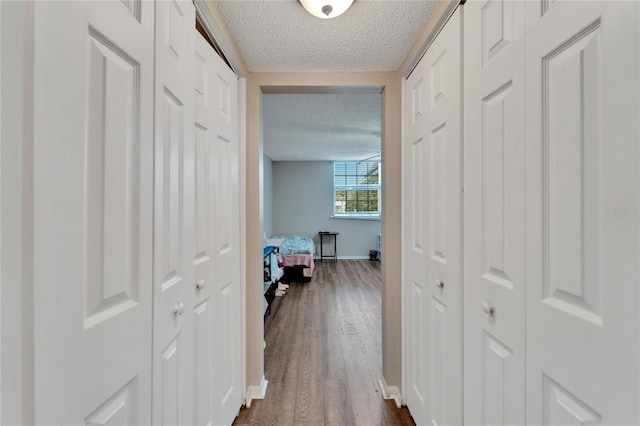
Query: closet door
{"type": "Point", "coordinates": [494, 215]}
{"type": "Point", "coordinates": [444, 217]}
{"type": "Point", "coordinates": [216, 257]}
{"type": "Point", "coordinates": [226, 236]}
{"type": "Point", "coordinates": [414, 166]}
{"type": "Point", "coordinates": [173, 215]}
{"type": "Point", "coordinates": [92, 212]}
{"type": "Point", "coordinates": [583, 191]}
{"type": "Point", "coordinates": [434, 154]}
{"type": "Point", "coordinates": [204, 321]}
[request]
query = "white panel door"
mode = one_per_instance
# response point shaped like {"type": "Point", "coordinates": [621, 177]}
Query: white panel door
{"type": "Point", "coordinates": [444, 217]}
{"type": "Point", "coordinates": [415, 172]}
{"type": "Point", "coordinates": [494, 223]}
{"type": "Point", "coordinates": [216, 257]}
{"type": "Point", "coordinates": [583, 191]}
{"type": "Point", "coordinates": [434, 294]}
{"type": "Point", "coordinates": [204, 316]}
{"type": "Point", "coordinates": [174, 217]}
{"type": "Point", "coordinates": [226, 236]}
{"type": "Point", "coordinates": [93, 179]}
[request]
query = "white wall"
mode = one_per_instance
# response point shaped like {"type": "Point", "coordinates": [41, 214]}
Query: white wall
{"type": "Point", "coordinates": [303, 205]}
{"type": "Point", "coordinates": [267, 196]}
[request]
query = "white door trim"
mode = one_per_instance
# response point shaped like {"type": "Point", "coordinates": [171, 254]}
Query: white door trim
{"type": "Point", "coordinates": [242, 170]}
{"type": "Point", "coordinates": [16, 395]}
{"type": "Point", "coordinates": [403, 230]}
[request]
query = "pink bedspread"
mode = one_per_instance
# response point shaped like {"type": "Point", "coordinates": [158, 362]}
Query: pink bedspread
{"type": "Point", "coordinates": [300, 259]}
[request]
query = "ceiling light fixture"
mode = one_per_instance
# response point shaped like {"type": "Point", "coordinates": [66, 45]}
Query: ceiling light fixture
{"type": "Point", "coordinates": [326, 9]}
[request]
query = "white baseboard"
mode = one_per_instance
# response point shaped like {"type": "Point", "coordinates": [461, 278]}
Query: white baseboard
{"type": "Point", "coordinates": [390, 392]}
{"type": "Point", "coordinates": [256, 392]}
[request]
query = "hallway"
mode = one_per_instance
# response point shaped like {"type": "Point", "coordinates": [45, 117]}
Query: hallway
{"type": "Point", "coordinates": [323, 356]}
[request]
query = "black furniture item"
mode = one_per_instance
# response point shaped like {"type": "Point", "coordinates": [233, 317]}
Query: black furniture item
{"type": "Point", "coordinates": [269, 286]}
{"type": "Point", "coordinates": [295, 274]}
{"type": "Point", "coordinates": [328, 234]}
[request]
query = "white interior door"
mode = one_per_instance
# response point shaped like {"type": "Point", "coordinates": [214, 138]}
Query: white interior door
{"type": "Point", "coordinates": [583, 189]}
{"type": "Point", "coordinates": [204, 315]}
{"type": "Point", "coordinates": [216, 261]}
{"type": "Point", "coordinates": [433, 178]}
{"type": "Point", "coordinates": [494, 223]}
{"type": "Point", "coordinates": [226, 250]}
{"type": "Point", "coordinates": [415, 172]}
{"type": "Point", "coordinates": [444, 217]}
{"type": "Point", "coordinates": [174, 217]}
{"type": "Point", "coordinates": [93, 175]}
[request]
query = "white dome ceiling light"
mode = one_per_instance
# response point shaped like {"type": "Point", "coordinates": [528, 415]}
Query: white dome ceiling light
{"type": "Point", "coordinates": [326, 9]}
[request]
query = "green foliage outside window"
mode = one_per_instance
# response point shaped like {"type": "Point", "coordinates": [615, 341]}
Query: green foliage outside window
{"type": "Point", "coordinates": [357, 188]}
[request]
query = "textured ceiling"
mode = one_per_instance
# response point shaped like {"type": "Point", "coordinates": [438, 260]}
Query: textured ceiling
{"type": "Point", "coordinates": [280, 36]}
{"type": "Point", "coordinates": [321, 127]}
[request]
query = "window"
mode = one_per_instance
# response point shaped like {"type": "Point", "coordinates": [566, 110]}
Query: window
{"type": "Point", "coordinates": [356, 189]}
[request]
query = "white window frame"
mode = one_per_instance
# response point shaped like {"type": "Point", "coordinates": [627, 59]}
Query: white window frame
{"type": "Point", "coordinates": [368, 187]}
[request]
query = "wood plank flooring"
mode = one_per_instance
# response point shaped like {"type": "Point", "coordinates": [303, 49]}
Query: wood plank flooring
{"type": "Point", "coordinates": [324, 352]}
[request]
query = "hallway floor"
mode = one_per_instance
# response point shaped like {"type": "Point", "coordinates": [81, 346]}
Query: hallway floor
{"type": "Point", "coordinates": [323, 357]}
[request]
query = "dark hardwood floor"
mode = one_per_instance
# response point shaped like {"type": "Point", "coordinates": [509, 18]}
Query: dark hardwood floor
{"type": "Point", "coordinates": [324, 352]}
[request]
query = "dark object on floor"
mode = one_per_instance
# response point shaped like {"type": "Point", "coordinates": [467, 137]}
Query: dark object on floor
{"type": "Point", "coordinates": [373, 254]}
{"type": "Point", "coordinates": [295, 274]}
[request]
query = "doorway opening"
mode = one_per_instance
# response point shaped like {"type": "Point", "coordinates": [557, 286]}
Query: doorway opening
{"type": "Point", "coordinates": [329, 330]}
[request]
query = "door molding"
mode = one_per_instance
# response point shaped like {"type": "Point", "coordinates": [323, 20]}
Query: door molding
{"type": "Point", "coordinates": [16, 217]}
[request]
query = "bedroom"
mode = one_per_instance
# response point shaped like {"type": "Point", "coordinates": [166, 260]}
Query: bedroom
{"type": "Point", "coordinates": [305, 136]}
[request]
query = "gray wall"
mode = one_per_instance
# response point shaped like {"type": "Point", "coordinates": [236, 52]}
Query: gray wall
{"type": "Point", "coordinates": [303, 205]}
{"type": "Point", "coordinates": [267, 199]}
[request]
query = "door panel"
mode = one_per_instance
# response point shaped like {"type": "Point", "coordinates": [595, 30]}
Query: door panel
{"type": "Point", "coordinates": [174, 215]}
{"type": "Point", "coordinates": [414, 237]}
{"type": "Point", "coordinates": [494, 212]}
{"type": "Point", "coordinates": [226, 278]}
{"type": "Point", "coordinates": [205, 381]}
{"type": "Point", "coordinates": [444, 213]}
{"type": "Point", "coordinates": [500, 406]}
{"type": "Point", "coordinates": [93, 177]}
{"type": "Point", "coordinates": [433, 182]}
{"type": "Point", "coordinates": [217, 259]}
{"type": "Point", "coordinates": [561, 407]}
{"type": "Point", "coordinates": [438, 199]}
{"type": "Point", "coordinates": [120, 409]}
{"type": "Point", "coordinates": [583, 190]}
{"type": "Point", "coordinates": [205, 246]}
{"type": "Point", "coordinates": [172, 373]}
{"type": "Point", "coordinates": [439, 370]}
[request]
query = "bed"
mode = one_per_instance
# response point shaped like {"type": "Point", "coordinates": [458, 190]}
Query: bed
{"type": "Point", "coordinates": [297, 255]}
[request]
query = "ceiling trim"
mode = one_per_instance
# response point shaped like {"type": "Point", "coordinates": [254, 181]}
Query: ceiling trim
{"type": "Point", "coordinates": [445, 10]}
